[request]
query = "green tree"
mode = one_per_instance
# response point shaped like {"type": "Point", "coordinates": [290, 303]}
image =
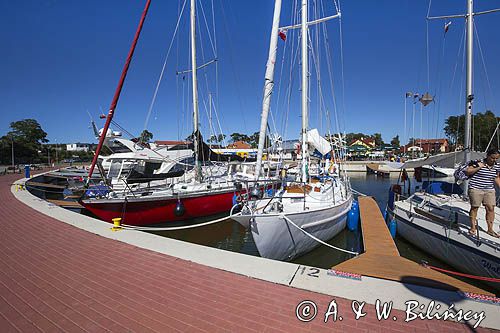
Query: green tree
{"type": "Point", "coordinates": [395, 142]}
{"type": "Point", "coordinates": [484, 125]}
{"type": "Point", "coordinates": [350, 137]}
{"type": "Point", "coordinates": [146, 136]}
{"type": "Point", "coordinates": [221, 137]}
{"type": "Point", "coordinates": [27, 136]}
{"type": "Point", "coordinates": [378, 139]}
{"type": "Point", "coordinates": [239, 137]}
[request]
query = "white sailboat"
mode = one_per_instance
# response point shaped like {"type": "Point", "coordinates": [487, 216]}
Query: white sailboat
{"type": "Point", "coordinates": [304, 213]}
{"type": "Point", "coordinates": [439, 223]}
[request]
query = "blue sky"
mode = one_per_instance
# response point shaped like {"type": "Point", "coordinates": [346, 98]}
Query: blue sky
{"type": "Point", "coordinates": [61, 59]}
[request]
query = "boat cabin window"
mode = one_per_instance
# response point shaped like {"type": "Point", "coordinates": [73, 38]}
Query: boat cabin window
{"type": "Point", "coordinates": [151, 167]}
{"type": "Point", "coordinates": [181, 147]}
{"type": "Point", "coordinates": [115, 169]}
{"type": "Point", "coordinates": [184, 164]}
{"type": "Point", "coordinates": [118, 147]}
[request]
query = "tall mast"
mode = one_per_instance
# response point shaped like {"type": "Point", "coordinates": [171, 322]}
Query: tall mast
{"type": "Point", "coordinates": [195, 91]}
{"type": "Point", "coordinates": [118, 90]}
{"type": "Point", "coordinates": [268, 85]}
{"type": "Point", "coordinates": [305, 157]}
{"type": "Point", "coordinates": [469, 95]}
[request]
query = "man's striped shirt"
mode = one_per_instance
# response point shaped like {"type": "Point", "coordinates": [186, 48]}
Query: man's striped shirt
{"type": "Point", "coordinates": [484, 179]}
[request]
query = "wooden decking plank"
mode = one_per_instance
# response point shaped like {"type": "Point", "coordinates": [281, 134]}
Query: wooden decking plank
{"type": "Point", "coordinates": [37, 184]}
{"type": "Point", "coordinates": [66, 204]}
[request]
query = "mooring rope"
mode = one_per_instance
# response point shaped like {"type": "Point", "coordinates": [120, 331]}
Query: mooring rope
{"type": "Point", "coordinates": [476, 277]}
{"type": "Point", "coordinates": [131, 227]}
{"type": "Point", "coordinates": [358, 193]}
{"type": "Point", "coordinates": [317, 239]}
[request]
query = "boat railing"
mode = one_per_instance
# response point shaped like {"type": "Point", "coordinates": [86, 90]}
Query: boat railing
{"type": "Point", "coordinates": [253, 190]}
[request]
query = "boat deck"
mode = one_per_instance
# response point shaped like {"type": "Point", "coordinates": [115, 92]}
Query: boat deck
{"type": "Point", "coordinates": [66, 204]}
{"type": "Point", "coordinates": [382, 260]}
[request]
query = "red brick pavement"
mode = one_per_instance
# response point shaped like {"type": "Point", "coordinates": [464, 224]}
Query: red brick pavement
{"type": "Point", "coordinates": [55, 277]}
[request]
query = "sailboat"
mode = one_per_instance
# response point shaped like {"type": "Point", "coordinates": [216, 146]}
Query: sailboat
{"type": "Point", "coordinates": [439, 223]}
{"type": "Point", "coordinates": [303, 213]}
{"type": "Point", "coordinates": [200, 196]}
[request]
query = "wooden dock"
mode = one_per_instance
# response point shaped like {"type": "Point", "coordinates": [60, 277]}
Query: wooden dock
{"type": "Point", "coordinates": [65, 204]}
{"type": "Point", "coordinates": [382, 260]}
{"type": "Point", "coordinates": [46, 185]}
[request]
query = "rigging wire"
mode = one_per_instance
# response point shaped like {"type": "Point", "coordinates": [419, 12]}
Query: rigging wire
{"type": "Point", "coordinates": [233, 66]}
{"type": "Point", "coordinates": [163, 68]}
{"type": "Point", "coordinates": [483, 62]}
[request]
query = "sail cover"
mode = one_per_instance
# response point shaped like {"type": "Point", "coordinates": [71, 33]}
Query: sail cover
{"type": "Point", "coordinates": [318, 142]}
{"type": "Point", "coordinates": [446, 160]}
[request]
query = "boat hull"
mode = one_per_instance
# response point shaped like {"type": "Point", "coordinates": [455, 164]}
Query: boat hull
{"type": "Point", "coordinates": [449, 245]}
{"type": "Point", "coordinates": [276, 238]}
{"type": "Point", "coordinates": [148, 211]}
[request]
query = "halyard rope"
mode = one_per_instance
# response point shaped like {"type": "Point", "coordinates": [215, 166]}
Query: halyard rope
{"type": "Point", "coordinates": [317, 239]}
{"type": "Point", "coordinates": [131, 227]}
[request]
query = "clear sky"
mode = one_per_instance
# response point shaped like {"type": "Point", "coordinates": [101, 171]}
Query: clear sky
{"type": "Point", "coordinates": [62, 58]}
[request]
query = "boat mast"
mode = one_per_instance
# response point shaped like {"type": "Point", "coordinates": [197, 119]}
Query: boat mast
{"type": "Point", "coordinates": [268, 85]}
{"type": "Point", "coordinates": [196, 137]}
{"type": "Point", "coordinates": [118, 91]}
{"type": "Point", "coordinates": [305, 157]}
{"type": "Point", "coordinates": [469, 95]}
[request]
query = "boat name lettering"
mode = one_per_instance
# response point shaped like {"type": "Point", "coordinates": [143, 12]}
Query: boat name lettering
{"type": "Point", "coordinates": [489, 266]}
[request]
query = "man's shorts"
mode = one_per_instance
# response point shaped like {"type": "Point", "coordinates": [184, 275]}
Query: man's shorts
{"type": "Point", "coordinates": [486, 197]}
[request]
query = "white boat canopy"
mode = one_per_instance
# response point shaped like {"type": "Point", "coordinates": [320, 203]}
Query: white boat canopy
{"type": "Point", "coordinates": [317, 141]}
{"type": "Point", "coordinates": [446, 160]}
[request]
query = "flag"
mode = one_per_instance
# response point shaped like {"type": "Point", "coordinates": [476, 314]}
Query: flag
{"type": "Point", "coordinates": [447, 26]}
{"type": "Point", "coordinates": [282, 35]}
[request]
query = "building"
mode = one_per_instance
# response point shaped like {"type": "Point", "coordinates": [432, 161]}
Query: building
{"type": "Point", "coordinates": [431, 146]}
{"type": "Point", "coordinates": [170, 143]}
{"type": "Point", "coordinates": [239, 145]}
{"type": "Point", "coordinates": [368, 143]}
{"type": "Point", "coordinates": [78, 147]}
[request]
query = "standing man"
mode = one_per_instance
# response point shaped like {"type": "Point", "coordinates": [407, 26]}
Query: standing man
{"type": "Point", "coordinates": [483, 176]}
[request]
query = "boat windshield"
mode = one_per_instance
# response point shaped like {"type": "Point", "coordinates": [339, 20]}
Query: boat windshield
{"type": "Point", "coordinates": [118, 147]}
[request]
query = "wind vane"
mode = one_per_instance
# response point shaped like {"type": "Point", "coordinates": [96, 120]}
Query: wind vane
{"type": "Point", "coordinates": [426, 99]}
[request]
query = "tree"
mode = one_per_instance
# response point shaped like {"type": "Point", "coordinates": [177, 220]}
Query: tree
{"type": "Point", "coordinates": [378, 139]}
{"type": "Point", "coordinates": [350, 137]}
{"type": "Point", "coordinates": [395, 142]}
{"type": "Point", "coordinates": [239, 137]}
{"type": "Point", "coordinates": [146, 136]}
{"type": "Point", "coordinates": [221, 137]}
{"type": "Point", "coordinates": [484, 125]}
{"type": "Point", "coordinates": [27, 136]}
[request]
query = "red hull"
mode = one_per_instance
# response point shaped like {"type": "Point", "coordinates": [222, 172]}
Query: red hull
{"type": "Point", "coordinates": [146, 212]}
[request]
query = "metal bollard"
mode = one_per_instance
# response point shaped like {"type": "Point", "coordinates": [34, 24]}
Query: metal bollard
{"type": "Point", "coordinates": [116, 224]}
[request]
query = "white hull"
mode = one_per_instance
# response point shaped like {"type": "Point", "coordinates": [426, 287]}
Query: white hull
{"type": "Point", "coordinates": [276, 237]}
{"type": "Point", "coordinates": [450, 242]}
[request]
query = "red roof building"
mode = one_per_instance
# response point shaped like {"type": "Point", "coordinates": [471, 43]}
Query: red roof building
{"type": "Point", "coordinates": [432, 146]}
{"type": "Point", "coordinates": [366, 142]}
{"type": "Point", "coordinates": [239, 145]}
{"type": "Point", "coordinates": [170, 143]}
